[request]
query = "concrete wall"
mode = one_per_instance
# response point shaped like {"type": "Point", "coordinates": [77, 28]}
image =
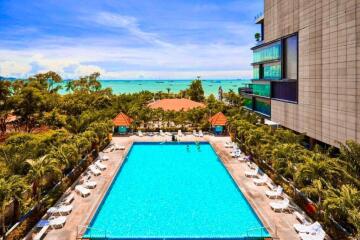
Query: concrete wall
{"type": "Point", "coordinates": [329, 66]}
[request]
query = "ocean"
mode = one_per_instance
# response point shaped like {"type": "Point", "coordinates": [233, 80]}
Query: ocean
{"type": "Point", "coordinates": [133, 86]}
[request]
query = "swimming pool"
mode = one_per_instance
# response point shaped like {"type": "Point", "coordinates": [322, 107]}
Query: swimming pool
{"type": "Point", "coordinates": [174, 190]}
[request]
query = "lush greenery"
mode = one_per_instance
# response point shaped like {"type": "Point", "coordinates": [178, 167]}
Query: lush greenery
{"type": "Point", "coordinates": [53, 132]}
{"type": "Point", "coordinates": [330, 180]}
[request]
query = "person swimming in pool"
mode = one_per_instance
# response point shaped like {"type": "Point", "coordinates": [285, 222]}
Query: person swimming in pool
{"type": "Point", "coordinates": [188, 148]}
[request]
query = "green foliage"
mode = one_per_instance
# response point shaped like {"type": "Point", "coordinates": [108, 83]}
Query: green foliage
{"type": "Point", "coordinates": [332, 183]}
{"type": "Point", "coordinates": [196, 91]}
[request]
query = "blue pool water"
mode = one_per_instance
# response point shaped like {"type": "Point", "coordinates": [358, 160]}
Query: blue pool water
{"type": "Point", "coordinates": [174, 190]}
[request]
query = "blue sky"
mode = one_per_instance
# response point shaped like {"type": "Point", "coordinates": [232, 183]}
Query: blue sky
{"type": "Point", "coordinates": [128, 39]}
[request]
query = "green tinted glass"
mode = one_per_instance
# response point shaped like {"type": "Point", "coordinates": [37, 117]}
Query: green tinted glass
{"type": "Point", "coordinates": [267, 53]}
{"type": "Point", "coordinates": [256, 72]}
{"type": "Point", "coordinates": [262, 106]}
{"type": "Point", "coordinates": [261, 89]}
{"type": "Point", "coordinates": [248, 102]}
{"type": "Point", "coordinates": [272, 71]}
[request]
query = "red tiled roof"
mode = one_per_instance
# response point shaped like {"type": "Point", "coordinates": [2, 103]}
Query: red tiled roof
{"type": "Point", "coordinates": [11, 118]}
{"type": "Point", "coordinates": [218, 119]}
{"type": "Point", "coordinates": [122, 120]}
{"type": "Point", "coordinates": [175, 104]}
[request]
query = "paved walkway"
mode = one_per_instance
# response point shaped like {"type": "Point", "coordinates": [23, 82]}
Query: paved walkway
{"type": "Point", "coordinates": [278, 224]}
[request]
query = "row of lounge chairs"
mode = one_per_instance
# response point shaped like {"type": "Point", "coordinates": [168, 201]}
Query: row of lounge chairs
{"type": "Point", "coordinates": [306, 230]}
{"type": "Point", "coordinates": [179, 134]}
{"type": "Point", "coordinates": [56, 216]}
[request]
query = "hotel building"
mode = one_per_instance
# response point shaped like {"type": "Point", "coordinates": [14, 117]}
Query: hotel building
{"type": "Point", "coordinates": [306, 68]}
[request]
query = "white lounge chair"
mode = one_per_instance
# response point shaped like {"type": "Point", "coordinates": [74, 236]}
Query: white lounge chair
{"type": "Point", "coordinates": [306, 228]}
{"type": "Point", "coordinates": [318, 235]}
{"type": "Point", "coordinates": [252, 173]}
{"type": "Point", "coordinates": [58, 222]}
{"type": "Point", "coordinates": [228, 144]}
{"type": "Point", "coordinates": [195, 133]}
{"type": "Point", "coordinates": [180, 134]}
{"type": "Point", "coordinates": [140, 134]}
{"type": "Point", "coordinates": [89, 184]}
{"type": "Point", "coordinates": [236, 153]}
{"type": "Point", "coordinates": [42, 232]}
{"type": "Point", "coordinates": [84, 192]}
{"type": "Point", "coordinates": [262, 180]}
{"type": "Point", "coordinates": [280, 206]}
{"type": "Point", "coordinates": [94, 170]}
{"type": "Point", "coordinates": [61, 210]}
{"type": "Point", "coordinates": [103, 157]}
{"type": "Point", "coordinates": [274, 193]}
{"type": "Point", "coordinates": [119, 147]}
{"type": "Point", "coordinates": [68, 199]}
{"type": "Point", "coordinates": [201, 134]}
{"type": "Point", "coordinates": [243, 158]}
{"type": "Point", "coordinates": [100, 166]}
{"type": "Point", "coordinates": [162, 133]}
{"type": "Point", "coordinates": [271, 185]}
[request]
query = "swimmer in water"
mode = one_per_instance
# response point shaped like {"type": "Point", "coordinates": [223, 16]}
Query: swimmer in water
{"type": "Point", "coordinates": [187, 147]}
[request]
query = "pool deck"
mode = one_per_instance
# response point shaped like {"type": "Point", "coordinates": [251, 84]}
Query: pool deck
{"type": "Point", "coordinates": [279, 225]}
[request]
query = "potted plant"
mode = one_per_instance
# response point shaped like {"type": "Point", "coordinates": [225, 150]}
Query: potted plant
{"type": "Point", "coordinates": [257, 36]}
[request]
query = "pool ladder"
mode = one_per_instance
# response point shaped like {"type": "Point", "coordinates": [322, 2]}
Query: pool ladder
{"type": "Point", "coordinates": [81, 230]}
{"type": "Point", "coordinates": [263, 230]}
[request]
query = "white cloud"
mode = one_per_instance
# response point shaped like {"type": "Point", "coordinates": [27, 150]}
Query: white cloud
{"type": "Point", "coordinates": [84, 70]}
{"type": "Point", "coordinates": [14, 68]}
{"type": "Point", "coordinates": [129, 23]}
{"type": "Point", "coordinates": [79, 56]}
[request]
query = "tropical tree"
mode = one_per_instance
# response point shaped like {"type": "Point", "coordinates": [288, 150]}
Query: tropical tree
{"type": "Point", "coordinates": [39, 171]}
{"type": "Point", "coordinates": [11, 189]}
{"type": "Point", "coordinates": [350, 153]}
{"type": "Point", "coordinates": [67, 155]}
{"type": "Point", "coordinates": [196, 91]}
{"type": "Point", "coordinates": [343, 203]}
{"type": "Point", "coordinates": [29, 105]}
{"type": "Point", "coordinates": [5, 104]}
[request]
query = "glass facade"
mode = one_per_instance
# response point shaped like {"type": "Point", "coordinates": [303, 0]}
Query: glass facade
{"type": "Point", "coordinates": [256, 73]}
{"type": "Point", "coordinates": [263, 106]}
{"type": "Point", "coordinates": [291, 57]}
{"type": "Point", "coordinates": [261, 89]}
{"type": "Point", "coordinates": [248, 102]}
{"type": "Point", "coordinates": [267, 53]}
{"type": "Point", "coordinates": [272, 71]}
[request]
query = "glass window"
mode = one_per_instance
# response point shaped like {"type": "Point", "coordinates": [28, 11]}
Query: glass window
{"type": "Point", "coordinates": [248, 102]}
{"type": "Point", "coordinates": [272, 71]}
{"type": "Point", "coordinates": [263, 106]}
{"type": "Point", "coordinates": [256, 74]}
{"type": "Point", "coordinates": [261, 89]}
{"type": "Point", "coordinates": [267, 53]}
{"type": "Point", "coordinates": [290, 57]}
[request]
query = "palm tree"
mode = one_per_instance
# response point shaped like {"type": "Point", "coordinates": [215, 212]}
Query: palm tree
{"type": "Point", "coordinates": [285, 157]}
{"type": "Point", "coordinates": [343, 204]}
{"type": "Point", "coordinates": [11, 189]}
{"type": "Point", "coordinates": [39, 169]}
{"type": "Point", "coordinates": [350, 153]}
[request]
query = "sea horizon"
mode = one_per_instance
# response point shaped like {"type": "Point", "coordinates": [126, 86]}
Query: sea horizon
{"type": "Point", "coordinates": [210, 86]}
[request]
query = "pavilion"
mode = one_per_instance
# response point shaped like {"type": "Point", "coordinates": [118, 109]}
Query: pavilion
{"type": "Point", "coordinates": [122, 123]}
{"type": "Point", "coordinates": [175, 104]}
{"type": "Point", "coordinates": [218, 121]}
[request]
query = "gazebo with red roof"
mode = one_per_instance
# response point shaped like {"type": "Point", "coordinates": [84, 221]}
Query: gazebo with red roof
{"type": "Point", "coordinates": [122, 123]}
{"type": "Point", "coordinates": [175, 104]}
{"type": "Point", "coordinates": [218, 121]}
